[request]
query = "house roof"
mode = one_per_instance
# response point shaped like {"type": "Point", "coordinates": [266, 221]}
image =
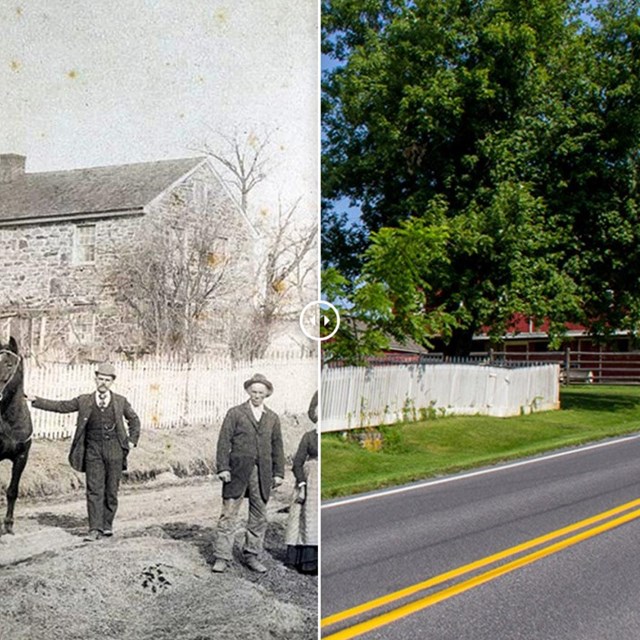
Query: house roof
{"type": "Point", "coordinates": [55, 194]}
{"type": "Point", "coordinates": [521, 327]}
{"type": "Point", "coordinates": [406, 346]}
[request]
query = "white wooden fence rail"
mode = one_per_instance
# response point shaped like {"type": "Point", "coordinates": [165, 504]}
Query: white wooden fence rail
{"type": "Point", "coordinates": [354, 397]}
{"type": "Point", "coordinates": [170, 394]}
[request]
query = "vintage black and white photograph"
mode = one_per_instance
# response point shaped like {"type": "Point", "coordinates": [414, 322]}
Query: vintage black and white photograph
{"type": "Point", "coordinates": [158, 397]}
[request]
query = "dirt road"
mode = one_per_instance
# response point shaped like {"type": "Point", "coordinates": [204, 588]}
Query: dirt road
{"type": "Point", "coordinates": [153, 578]}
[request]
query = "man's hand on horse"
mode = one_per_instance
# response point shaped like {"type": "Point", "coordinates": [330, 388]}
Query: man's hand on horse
{"type": "Point", "coordinates": [277, 481]}
{"type": "Point", "coordinates": [225, 476]}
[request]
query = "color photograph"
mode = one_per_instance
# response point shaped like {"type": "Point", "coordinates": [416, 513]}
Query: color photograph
{"type": "Point", "coordinates": [480, 399]}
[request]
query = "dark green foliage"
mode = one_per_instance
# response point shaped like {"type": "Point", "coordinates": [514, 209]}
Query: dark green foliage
{"type": "Point", "coordinates": [492, 148]}
{"type": "Point", "coordinates": [392, 440]}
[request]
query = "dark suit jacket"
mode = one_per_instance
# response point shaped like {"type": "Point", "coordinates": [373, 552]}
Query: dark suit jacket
{"type": "Point", "coordinates": [308, 448]}
{"type": "Point", "coordinates": [243, 443]}
{"type": "Point", "coordinates": [84, 405]}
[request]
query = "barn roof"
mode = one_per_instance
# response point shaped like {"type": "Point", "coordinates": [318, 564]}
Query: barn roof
{"type": "Point", "coordinates": [95, 190]}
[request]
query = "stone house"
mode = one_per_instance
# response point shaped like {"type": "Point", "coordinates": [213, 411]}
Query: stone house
{"type": "Point", "coordinates": [68, 237]}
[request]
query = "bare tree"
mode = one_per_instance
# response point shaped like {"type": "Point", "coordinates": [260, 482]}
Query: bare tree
{"type": "Point", "coordinates": [289, 262]}
{"type": "Point", "coordinates": [287, 257]}
{"type": "Point", "coordinates": [285, 275]}
{"type": "Point", "coordinates": [244, 159]}
{"type": "Point", "coordinates": [174, 279]}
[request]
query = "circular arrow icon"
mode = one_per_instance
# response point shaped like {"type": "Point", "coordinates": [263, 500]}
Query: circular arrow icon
{"type": "Point", "coordinates": [319, 315]}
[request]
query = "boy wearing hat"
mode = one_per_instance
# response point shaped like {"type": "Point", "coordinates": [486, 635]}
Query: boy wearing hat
{"type": "Point", "coordinates": [249, 461]}
{"type": "Point", "coordinates": [100, 445]}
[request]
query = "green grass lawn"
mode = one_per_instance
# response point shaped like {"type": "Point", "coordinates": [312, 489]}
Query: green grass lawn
{"type": "Point", "coordinates": [411, 451]}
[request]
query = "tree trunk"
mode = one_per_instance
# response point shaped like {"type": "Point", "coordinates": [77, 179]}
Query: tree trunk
{"type": "Point", "coordinates": [460, 344]}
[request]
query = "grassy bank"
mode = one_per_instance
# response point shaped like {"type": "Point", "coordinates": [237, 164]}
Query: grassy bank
{"type": "Point", "coordinates": [406, 452]}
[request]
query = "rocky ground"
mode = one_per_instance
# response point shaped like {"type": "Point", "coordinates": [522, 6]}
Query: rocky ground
{"type": "Point", "coordinates": [153, 579]}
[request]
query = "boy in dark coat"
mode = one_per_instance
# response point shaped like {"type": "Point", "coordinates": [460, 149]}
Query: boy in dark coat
{"type": "Point", "coordinates": [249, 461]}
{"type": "Point", "coordinates": [100, 445]}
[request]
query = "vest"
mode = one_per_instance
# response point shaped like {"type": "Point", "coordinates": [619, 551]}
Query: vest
{"type": "Point", "coordinates": [102, 423]}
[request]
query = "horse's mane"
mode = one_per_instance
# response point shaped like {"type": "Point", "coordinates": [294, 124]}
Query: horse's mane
{"type": "Point", "coordinates": [14, 412]}
{"type": "Point", "coordinates": [16, 383]}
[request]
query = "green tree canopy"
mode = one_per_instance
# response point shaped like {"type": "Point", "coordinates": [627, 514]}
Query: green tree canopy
{"type": "Point", "coordinates": [509, 130]}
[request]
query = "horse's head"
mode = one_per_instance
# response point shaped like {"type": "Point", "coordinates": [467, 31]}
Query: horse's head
{"type": "Point", "coordinates": [10, 366]}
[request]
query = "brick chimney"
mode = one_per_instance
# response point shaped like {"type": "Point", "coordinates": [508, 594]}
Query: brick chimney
{"type": "Point", "coordinates": [11, 166]}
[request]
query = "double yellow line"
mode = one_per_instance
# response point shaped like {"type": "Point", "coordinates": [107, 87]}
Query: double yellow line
{"type": "Point", "coordinates": [431, 599]}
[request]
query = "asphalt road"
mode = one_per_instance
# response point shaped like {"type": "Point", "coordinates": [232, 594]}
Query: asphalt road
{"type": "Point", "coordinates": [574, 572]}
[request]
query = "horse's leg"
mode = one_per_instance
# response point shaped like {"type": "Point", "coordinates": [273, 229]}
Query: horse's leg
{"type": "Point", "coordinates": [19, 463]}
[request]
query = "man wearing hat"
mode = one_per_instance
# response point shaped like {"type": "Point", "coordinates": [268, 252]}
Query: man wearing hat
{"type": "Point", "coordinates": [249, 461]}
{"type": "Point", "coordinates": [100, 445]}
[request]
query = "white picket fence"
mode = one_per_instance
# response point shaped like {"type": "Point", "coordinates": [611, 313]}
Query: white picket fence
{"type": "Point", "coordinates": [169, 394]}
{"type": "Point", "coordinates": [354, 397]}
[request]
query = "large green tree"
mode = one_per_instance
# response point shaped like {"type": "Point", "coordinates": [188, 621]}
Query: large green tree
{"type": "Point", "coordinates": [510, 128]}
{"type": "Point", "coordinates": [589, 167]}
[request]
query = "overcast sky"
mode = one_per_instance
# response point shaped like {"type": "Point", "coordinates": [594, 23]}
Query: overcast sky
{"type": "Point", "coordinates": [88, 83]}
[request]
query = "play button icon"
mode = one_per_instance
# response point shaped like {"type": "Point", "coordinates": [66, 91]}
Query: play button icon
{"type": "Point", "coordinates": [319, 320]}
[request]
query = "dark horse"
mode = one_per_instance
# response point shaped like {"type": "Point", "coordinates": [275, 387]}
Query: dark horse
{"type": "Point", "coordinates": [15, 422]}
